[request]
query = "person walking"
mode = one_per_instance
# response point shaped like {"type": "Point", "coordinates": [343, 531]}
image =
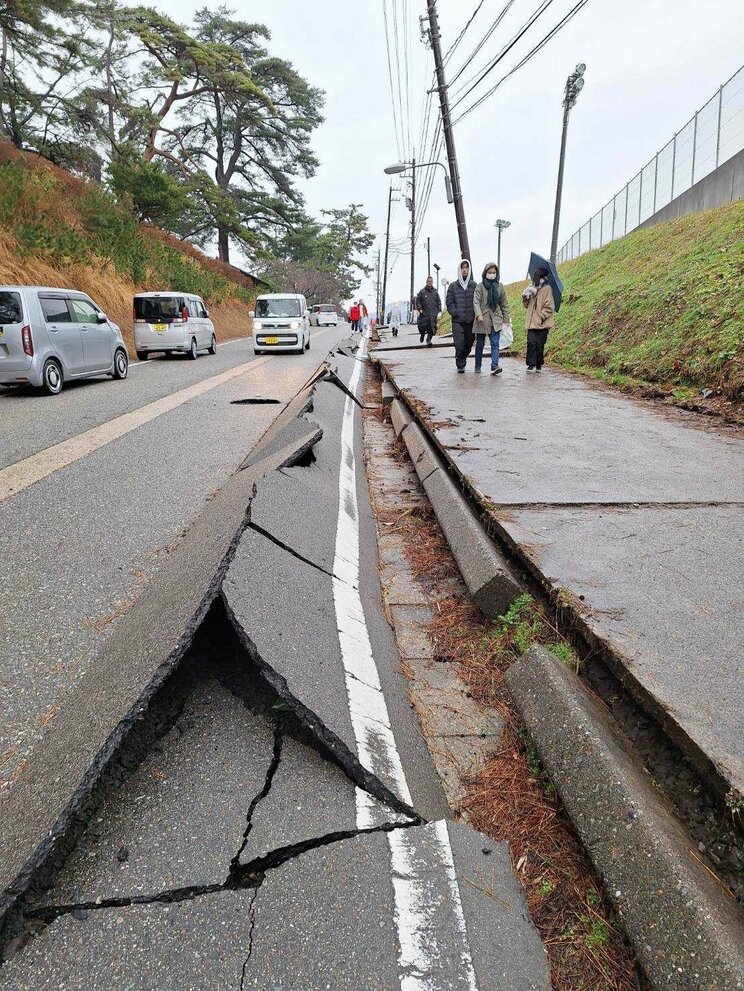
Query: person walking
{"type": "Point", "coordinates": [395, 319]}
{"type": "Point", "coordinates": [491, 315]}
{"type": "Point", "coordinates": [429, 306]}
{"type": "Point", "coordinates": [363, 317]}
{"type": "Point", "coordinates": [539, 302]}
{"type": "Point", "coordinates": [460, 307]}
{"type": "Point", "coordinates": [354, 314]}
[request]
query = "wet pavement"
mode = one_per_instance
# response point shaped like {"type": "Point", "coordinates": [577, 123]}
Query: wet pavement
{"type": "Point", "coordinates": [634, 513]}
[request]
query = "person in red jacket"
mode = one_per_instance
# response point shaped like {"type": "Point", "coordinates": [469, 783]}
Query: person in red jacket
{"type": "Point", "coordinates": [354, 315]}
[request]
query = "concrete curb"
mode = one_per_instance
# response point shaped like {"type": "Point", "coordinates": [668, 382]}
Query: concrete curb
{"type": "Point", "coordinates": [400, 416]}
{"type": "Point", "coordinates": [389, 393]}
{"type": "Point", "coordinates": [686, 931]}
{"type": "Point", "coordinates": [420, 451]}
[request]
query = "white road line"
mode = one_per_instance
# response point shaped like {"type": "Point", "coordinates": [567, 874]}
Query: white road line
{"type": "Point", "coordinates": [17, 477]}
{"type": "Point", "coordinates": [418, 908]}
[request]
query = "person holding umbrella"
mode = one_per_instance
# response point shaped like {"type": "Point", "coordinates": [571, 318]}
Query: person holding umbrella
{"type": "Point", "coordinates": [541, 300]}
{"type": "Point", "coordinates": [460, 307]}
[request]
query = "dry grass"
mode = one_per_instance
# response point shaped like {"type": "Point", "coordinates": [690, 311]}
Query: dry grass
{"type": "Point", "coordinates": [512, 799]}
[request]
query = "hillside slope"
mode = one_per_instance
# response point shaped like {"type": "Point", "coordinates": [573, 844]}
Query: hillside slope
{"type": "Point", "coordinates": [58, 230]}
{"type": "Point", "coordinates": [660, 311]}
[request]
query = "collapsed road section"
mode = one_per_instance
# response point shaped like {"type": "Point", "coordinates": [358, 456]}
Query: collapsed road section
{"type": "Point", "coordinates": [264, 812]}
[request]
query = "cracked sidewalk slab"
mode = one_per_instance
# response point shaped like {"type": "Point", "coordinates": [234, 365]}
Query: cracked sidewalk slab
{"type": "Point", "coordinates": [325, 919]}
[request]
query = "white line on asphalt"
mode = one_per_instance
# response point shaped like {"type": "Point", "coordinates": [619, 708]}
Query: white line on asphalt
{"type": "Point", "coordinates": [423, 961]}
{"type": "Point", "coordinates": [15, 478]}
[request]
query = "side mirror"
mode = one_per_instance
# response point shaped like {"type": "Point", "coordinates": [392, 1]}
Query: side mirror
{"type": "Point", "coordinates": [206, 313]}
{"type": "Point", "coordinates": [101, 318]}
{"type": "Point", "coordinates": [251, 313]}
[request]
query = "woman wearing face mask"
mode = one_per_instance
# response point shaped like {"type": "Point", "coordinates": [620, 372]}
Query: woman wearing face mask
{"type": "Point", "coordinates": [460, 308]}
{"type": "Point", "coordinates": [539, 302]}
{"type": "Point", "coordinates": [491, 314]}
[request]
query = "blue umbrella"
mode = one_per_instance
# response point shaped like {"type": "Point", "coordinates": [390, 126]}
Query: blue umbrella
{"type": "Point", "coordinates": [537, 261]}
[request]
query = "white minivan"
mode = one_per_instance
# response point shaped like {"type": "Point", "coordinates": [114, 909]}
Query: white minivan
{"type": "Point", "coordinates": [281, 323]}
{"type": "Point", "coordinates": [172, 322]}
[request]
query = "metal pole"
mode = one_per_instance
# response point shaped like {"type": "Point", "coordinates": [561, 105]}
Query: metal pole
{"type": "Point", "coordinates": [614, 211]}
{"type": "Point", "coordinates": [718, 132]}
{"type": "Point", "coordinates": [428, 257]}
{"type": "Point", "coordinates": [413, 236]}
{"type": "Point", "coordinates": [640, 196]}
{"type": "Point", "coordinates": [559, 189]}
{"type": "Point", "coordinates": [377, 289]}
{"type": "Point", "coordinates": [387, 245]}
{"type": "Point", "coordinates": [601, 226]}
{"type": "Point", "coordinates": [625, 228]}
{"type": "Point", "coordinates": [656, 179]}
{"type": "Point", "coordinates": [694, 150]}
{"type": "Point", "coordinates": [498, 252]}
{"type": "Point", "coordinates": [674, 163]}
{"type": "Point", "coordinates": [449, 140]}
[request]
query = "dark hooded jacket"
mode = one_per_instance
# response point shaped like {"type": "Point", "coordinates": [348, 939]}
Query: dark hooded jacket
{"type": "Point", "coordinates": [459, 300]}
{"type": "Point", "coordinates": [428, 303]}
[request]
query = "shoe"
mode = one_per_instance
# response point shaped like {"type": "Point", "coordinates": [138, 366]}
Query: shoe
{"type": "Point", "coordinates": [530, 368]}
{"type": "Point", "coordinates": [428, 343]}
{"type": "Point", "coordinates": [421, 340]}
{"type": "Point", "coordinates": [460, 371]}
{"type": "Point", "coordinates": [476, 369]}
{"type": "Point", "coordinates": [496, 371]}
{"type": "Point", "coordinates": [539, 368]}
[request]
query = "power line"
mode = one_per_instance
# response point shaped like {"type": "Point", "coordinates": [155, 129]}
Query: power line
{"type": "Point", "coordinates": [504, 11]}
{"type": "Point", "coordinates": [504, 51]}
{"type": "Point", "coordinates": [396, 36]}
{"type": "Point", "coordinates": [450, 51]}
{"type": "Point", "coordinates": [541, 44]}
{"type": "Point", "coordinates": [398, 142]}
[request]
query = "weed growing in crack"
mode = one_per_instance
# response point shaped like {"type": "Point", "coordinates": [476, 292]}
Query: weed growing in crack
{"type": "Point", "coordinates": [546, 888]}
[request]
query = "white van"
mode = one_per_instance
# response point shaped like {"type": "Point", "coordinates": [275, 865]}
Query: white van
{"type": "Point", "coordinates": [324, 315]}
{"type": "Point", "coordinates": [281, 323]}
{"type": "Point", "coordinates": [172, 322]}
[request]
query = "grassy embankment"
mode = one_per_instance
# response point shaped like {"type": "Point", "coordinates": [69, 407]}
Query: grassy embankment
{"type": "Point", "coordinates": [659, 312]}
{"type": "Point", "coordinates": [58, 230]}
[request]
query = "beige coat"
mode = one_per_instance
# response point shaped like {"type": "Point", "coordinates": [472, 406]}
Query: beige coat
{"type": "Point", "coordinates": [540, 309]}
{"type": "Point", "coordinates": [492, 319]}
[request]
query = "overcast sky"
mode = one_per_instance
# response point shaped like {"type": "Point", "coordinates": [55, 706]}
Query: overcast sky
{"type": "Point", "coordinates": [650, 65]}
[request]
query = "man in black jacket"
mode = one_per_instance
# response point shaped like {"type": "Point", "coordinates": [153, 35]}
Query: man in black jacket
{"type": "Point", "coordinates": [429, 305]}
{"type": "Point", "coordinates": [460, 308]}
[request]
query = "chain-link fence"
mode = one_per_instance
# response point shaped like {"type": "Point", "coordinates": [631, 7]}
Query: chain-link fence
{"type": "Point", "coordinates": [713, 135]}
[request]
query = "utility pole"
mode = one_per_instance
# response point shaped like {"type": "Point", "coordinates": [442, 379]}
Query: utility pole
{"type": "Point", "coordinates": [428, 257]}
{"type": "Point", "coordinates": [413, 236]}
{"type": "Point", "coordinates": [574, 84]}
{"type": "Point", "coordinates": [387, 245]}
{"type": "Point", "coordinates": [449, 140]}
{"type": "Point", "coordinates": [377, 286]}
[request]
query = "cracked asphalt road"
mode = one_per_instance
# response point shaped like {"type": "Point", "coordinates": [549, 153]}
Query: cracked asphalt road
{"type": "Point", "coordinates": [78, 547]}
{"type": "Point", "coordinates": [246, 849]}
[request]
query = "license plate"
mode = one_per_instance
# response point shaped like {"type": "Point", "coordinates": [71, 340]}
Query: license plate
{"type": "Point", "coordinates": [272, 340]}
{"type": "Point", "coordinates": [160, 328]}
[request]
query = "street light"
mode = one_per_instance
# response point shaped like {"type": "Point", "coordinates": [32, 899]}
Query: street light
{"type": "Point", "coordinates": [399, 167]}
{"type": "Point", "coordinates": [502, 225]}
{"type": "Point", "coordinates": [574, 85]}
{"type": "Point", "coordinates": [437, 270]}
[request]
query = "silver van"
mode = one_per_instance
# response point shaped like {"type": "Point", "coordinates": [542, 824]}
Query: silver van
{"type": "Point", "coordinates": [281, 323]}
{"type": "Point", "coordinates": [172, 322]}
{"type": "Point", "coordinates": [51, 336]}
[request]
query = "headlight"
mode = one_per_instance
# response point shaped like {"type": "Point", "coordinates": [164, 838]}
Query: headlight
{"type": "Point", "coordinates": [257, 325]}
{"type": "Point", "coordinates": [295, 325]}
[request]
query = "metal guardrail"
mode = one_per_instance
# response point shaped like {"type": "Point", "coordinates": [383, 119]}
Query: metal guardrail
{"type": "Point", "coordinates": [713, 134]}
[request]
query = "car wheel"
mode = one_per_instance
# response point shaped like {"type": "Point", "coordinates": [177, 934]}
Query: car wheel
{"type": "Point", "coordinates": [142, 355]}
{"type": "Point", "coordinates": [307, 346]}
{"type": "Point", "coordinates": [52, 377]}
{"type": "Point", "coordinates": [193, 351]}
{"type": "Point", "coordinates": [121, 364]}
{"type": "Point", "coordinates": [213, 346]}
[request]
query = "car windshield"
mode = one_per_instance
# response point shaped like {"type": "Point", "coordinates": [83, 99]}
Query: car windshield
{"type": "Point", "coordinates": [158, 308]}
{"type": "Point", "coordinates": [10, 308]}
{"type": "Point", "coordinates": [277, 307]}
{"type": "Point", "coordinates": [327, 309]}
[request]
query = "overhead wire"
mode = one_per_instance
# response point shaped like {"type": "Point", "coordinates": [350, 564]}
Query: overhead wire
{"type": "Point", "coordinates": [540, 45]}
{"type": "Point", "coordinates": [396, 125]}
{"type": "Point", "coordinates": [499, 18]}
{"type": "Point", "coordinates": [453, 47]}
{"type": "Point", "coordinates": [469, 86]}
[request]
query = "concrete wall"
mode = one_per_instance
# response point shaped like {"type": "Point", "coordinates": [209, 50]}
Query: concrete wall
{"type": "Point", "coordinates": [725, 185]}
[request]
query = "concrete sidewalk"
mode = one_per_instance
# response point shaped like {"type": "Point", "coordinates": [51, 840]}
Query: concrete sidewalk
{"type": "Point", "coordinates": [629, 513]}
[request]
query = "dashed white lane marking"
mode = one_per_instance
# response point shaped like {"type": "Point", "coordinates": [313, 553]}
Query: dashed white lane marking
{"type": "Point", "coordinates": [17, 477]}
{"type": "Point", "coordinates": [423, 873]}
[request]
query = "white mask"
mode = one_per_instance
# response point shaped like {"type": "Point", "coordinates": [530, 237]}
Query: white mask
{"type": "Point", "coordinates": [490, 275]}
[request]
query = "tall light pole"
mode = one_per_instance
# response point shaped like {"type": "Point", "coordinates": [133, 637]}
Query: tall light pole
{"type": "Point", "coordinates": [387, 246]}
{"type": "Point", "coordinates": [413, 235]}
{"type": "Point", "coordinates": [574, 85]}
{"type": "Point", "coordinates": [502, 225]}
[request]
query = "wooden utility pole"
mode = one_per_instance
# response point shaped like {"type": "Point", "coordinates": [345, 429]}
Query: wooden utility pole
{"type": "Point", "coordinates": [428, 257]}
{"type": "Point", "coordinates": [412, 294]}
{"type": "Point", "coordinates": [449, 140]}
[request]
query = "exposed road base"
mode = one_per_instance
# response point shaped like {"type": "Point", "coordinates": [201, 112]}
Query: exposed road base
{"type": "Point", "coordinates": [652, 874]}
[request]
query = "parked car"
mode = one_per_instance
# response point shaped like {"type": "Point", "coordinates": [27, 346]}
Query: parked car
{"type": "Point", "coordinates": [281, 323]}
{"type": "Point", "coordinates": [172, 322]}
{"type": "Point", "coordinates": [51, 336]}
{"type": "Point", "coordinates": [324, 315]}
